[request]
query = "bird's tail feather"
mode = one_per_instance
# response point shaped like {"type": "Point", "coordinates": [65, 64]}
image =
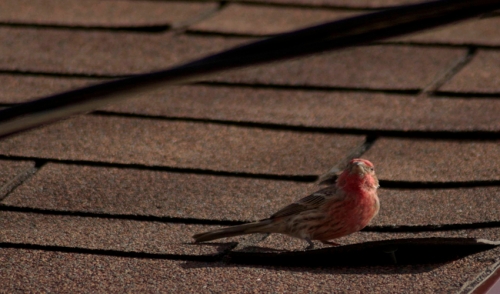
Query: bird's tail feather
{"type": "Point", "coordinates": [256, 227]}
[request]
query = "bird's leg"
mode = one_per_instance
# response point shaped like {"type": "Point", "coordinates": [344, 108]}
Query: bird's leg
{"type": "Point", "coordinates": [311, 244]}
{"type": "Point", "coordinates": [330, 243]}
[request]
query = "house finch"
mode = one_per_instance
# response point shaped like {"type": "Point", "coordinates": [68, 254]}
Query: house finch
{"type": "Point", "coordinates": [330, 213]}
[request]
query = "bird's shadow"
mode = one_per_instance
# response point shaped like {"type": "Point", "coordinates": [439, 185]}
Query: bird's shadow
{"type": "Point", "coordinates": [399, 256]}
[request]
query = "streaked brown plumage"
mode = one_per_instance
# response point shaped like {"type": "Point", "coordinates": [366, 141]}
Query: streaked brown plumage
{"type": "Point", "coordinates": [330, 213]}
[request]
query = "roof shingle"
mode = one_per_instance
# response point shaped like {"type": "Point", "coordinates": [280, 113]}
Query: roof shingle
{"type": "Point", "coordinates": [110, 13]}
{"type": "Point", "coordinates": [479, 76]}
{"type": "Point", "coordinates": [161, 239]}
{"type": "Point", "coordinates": [428, 160]}
{"type": "Point", "coordinates": [244, 19]}
{"type": "Point", "coordinates": [385, 67]}
{"type": "Point", "coordinates": [108, 201]}
{"type": "Point", "coordinates": [70, 272]}
{"type": "Point", "coordinates": [178, 144]}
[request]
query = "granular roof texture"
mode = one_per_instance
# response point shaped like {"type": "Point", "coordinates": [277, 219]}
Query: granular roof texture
{"type": "Point", "coordinates": [108, 201]}
{"type": "Point", "coordinates": [110, 13]}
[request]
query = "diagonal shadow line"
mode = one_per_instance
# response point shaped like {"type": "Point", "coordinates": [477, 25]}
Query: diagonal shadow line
{"type": "Point", "coordinates": [304, 178]}
{"type": "Point", "coordinates": [330, 36]}
{"type": "Point", "coordinates": [159, 28]}
{"type": "Point", "coordinates": [476, 135]}
{"type": "Point", "coordinates": [431, 228]}
{"type": "Point", "coordinates": [437, 185]}
{"type": "Point", "coordinates": [447, 94]}
{"type": "Point", "coordinates": [64, 75]}
{"type": "Point", "coordinates": [199, 221]}
{"type": "Point", "coordinates": [132, 217]}
{"type": "Point", "coordinates": [285, 87]}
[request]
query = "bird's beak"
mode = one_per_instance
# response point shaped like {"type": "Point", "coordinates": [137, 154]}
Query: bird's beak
{"type": "Point", "coordinates": [358, 168]}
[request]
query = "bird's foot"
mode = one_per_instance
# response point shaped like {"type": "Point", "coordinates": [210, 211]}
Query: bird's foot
{"type": "Point", "coordinates": [311, 244]}
{"type": "Point", "coordinates": [330, 243]}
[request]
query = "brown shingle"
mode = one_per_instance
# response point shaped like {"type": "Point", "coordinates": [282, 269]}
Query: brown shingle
{"type": "Point", "coordinates": [96, 13]}
{"type": "Point", "coordinates": [479, 76]}
{"type": "Point", "coordinates": [289, 107]}
{"type": "Point", "coordinates": [258, 20]}
{"type": "Point", "coordinates": [184, 145]}
{"type": "Point", "coordinates": [69, 272]}
{"type": "Point", "coordinates": [429, 160]}
{"type": "Point", "coordinates": [12, 173]}
{"type": "Point", "coordinates": [100, 52]}
{"type": "Point", "coordinates": [141, 192]}
{"type": "Point", "coordinates": [105, 53]}
{"type": "Point", "coordinates": [319, 108]}
{"type": "Point", "coordinates": [436, 207]}
{"type": "Point", "coordinates": [21, 88]}
{"type": "Point", "coordinates": [379, 67]}
{"type": "Point", "coordinates": [107, 216]}
{"type": "Point", "coordinates": [103, 234]}
{"type": "Point", "coordinates": [476, 31]}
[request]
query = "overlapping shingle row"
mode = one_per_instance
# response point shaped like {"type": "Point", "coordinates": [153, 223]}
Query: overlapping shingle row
{"type": "Point", "coordinates": [117, 193]}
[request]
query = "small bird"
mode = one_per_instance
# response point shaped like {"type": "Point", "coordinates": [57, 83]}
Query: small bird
{"type": "Point", "coordinates": [333, 212]}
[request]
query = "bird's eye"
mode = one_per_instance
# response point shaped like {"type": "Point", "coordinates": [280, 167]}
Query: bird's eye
{"type": "Point", "coordinates": [372, 169]}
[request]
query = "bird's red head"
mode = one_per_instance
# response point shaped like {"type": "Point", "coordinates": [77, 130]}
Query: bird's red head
{"type": "Point", "coordinates": [359, 172]}
{"type": "Point", "coordinates": [360, 160]}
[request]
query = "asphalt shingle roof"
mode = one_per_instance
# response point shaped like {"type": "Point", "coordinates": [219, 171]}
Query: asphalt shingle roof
{"type": "Point", "coordinates": [108, 201]}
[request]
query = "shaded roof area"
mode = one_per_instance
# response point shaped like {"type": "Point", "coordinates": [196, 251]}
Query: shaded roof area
{"type": "Point", "coordinates": [108, 201]}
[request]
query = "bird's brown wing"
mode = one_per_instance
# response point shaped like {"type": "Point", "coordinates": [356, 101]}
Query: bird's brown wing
{"type": "Point", "coordinates": [310, 202]}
